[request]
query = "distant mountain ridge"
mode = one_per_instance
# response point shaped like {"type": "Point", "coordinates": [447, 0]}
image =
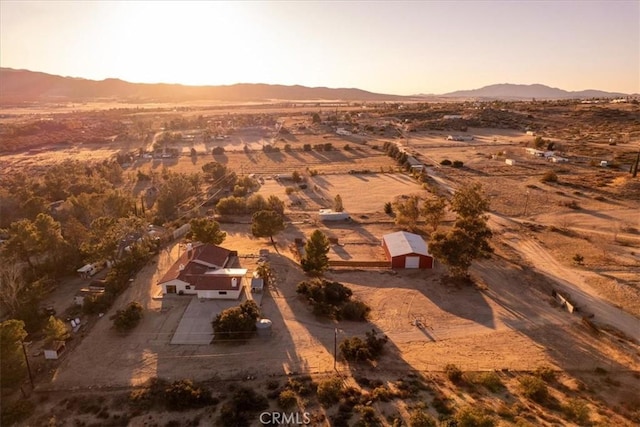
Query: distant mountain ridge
{"type": "Point", "coordinates": [18, 86]}
{"type": "Point", "coordinates": [520, 91]}
{"type": "Point", "coordinates": [30, 86]}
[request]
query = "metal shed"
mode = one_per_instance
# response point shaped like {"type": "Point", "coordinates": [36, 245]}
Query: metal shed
{"type": "Point", "coordinates": [406, 250]}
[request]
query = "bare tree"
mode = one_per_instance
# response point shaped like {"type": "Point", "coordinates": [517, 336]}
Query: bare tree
{"type": "Point", "coordinates": [12, 284]}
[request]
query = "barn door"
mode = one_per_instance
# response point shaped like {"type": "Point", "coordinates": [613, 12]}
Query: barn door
{"type": "Point", "coordinates": [412, 262]}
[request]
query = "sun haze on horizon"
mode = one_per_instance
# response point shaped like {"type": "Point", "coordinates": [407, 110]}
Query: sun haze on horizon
{"type": "Point", "coordinates": [399, 48]}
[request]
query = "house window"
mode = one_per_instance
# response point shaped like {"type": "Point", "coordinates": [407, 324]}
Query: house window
{"type": "Point", "coordinates": [222, 292]}
{"type": "Point", "coordinates": [187, 287]}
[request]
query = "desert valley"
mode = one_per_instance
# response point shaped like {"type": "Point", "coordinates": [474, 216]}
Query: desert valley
{"type": "Point", "coordinates": [520, 304]}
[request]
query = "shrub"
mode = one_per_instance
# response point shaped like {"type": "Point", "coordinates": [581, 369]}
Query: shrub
{"type": "Point", "coordinates": [329, 391]}
{"type": "Point", "coordinates": [236, 322]}
{"type": "Point", "coordinates": [388, 208]}
{"type": "Point", "coordinates": [577, 411]}
{"type": "Point", "coordinates": [244, 403]}
{"type": "Point", "coordinates": [287, 148]}
{"type": "Point", "coordinates": [546, 373]}
{"type": "Point", "coordinates": [306, 147]}
{"type": "Point", "coordinates": [491, 381]}
{"type": "Point", "coordinates": [549, 177]}
{"type": "Point", "coordinates": [217, 150]}
{"type": "Point", "coordinates": [15, 412]}
{"type": "Point", "coordinates": [358, 350]}
{"type": "Point", "coordinates": [446, 162]}
{"type": "Point", "coordinates": [184, 394]}
{"type": "Point", "coordinates": [457, 164]}
{"type": "Point", "coordinates": [472, 417]}
{"type": "Point", "coordinates": [382, 393]}
{"type": "Point", "coordinates": [289, 190]}
{"type": "Point", "coordinates": [534, 388]}
{"type": "Point", "coordinates": [127, 319]}
{"type": "Point", "coordinates": [287, 399]}
{"type": "Point", "coordinates": [453, 373]}
{"type": "Point", "coordinates": [420, 418]}
{"type": "Point", "coordinates": [355, 310]}
{"type": "Point", "coordinates": [442, 405]}
{"type": "Point", "coordinates": [347, 147]}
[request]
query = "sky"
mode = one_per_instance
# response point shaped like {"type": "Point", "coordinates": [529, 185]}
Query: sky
{"type": "Point", "coordinates": [393, 47]}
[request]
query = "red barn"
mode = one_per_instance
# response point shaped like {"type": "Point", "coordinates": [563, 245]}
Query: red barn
{"type": "Point", "coordinates": [406, 250]}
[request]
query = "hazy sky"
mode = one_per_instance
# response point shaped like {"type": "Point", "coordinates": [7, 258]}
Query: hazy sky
{"type": "Point", "coordinates": [387, 47]}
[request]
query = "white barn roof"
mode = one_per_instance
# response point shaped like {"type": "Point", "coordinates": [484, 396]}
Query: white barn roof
{"type": "Point", "coordinates": [402, 243]}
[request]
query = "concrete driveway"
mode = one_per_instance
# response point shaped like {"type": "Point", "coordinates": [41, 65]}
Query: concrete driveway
{"type": "Point", "coordinates": [195, 326]}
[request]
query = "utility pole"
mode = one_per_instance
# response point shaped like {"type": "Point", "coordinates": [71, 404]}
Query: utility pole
{"type": "Point", "coordinates": [335, 349]}
{"type": "Point", "coordinates": [26, 359]}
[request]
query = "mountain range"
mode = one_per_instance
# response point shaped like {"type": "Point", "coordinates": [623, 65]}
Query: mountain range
{"type": "Point", "coordinates": [19, 86]}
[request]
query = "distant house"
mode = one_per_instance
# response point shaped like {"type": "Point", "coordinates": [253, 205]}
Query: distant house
{"type": "Point", "coordinates": [204, 271]}
{"type": "Point", "coordinates": [406, 250]}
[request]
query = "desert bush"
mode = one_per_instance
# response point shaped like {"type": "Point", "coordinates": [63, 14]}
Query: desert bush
{"type": "Point", "coordinates": [388, 208]}
{"type": "Point", "coordinates": [287, 399]}
{"type": "Point", "coordinates": [491, 381]}
{"type": "Point", "coordinates": [356, 349]}
{"type": "Point", "coordinates": [546, 373]}
{"type": "Point", "coordinates": [236, 322]}
{"type": "Point", "coordinates": [534, 388]}
{"type": "Point", "coordinates": [442, 405]}
{"type": "Point", "coordinates": [576, 410]}
{"type": "Point", "coordinates": [453, 373]}
{"type": "Point", "coordinates": [217, 150]}
{"type": "Point", "coordinates": [382, 393]}
{"type": "Point", "coordinates": [549, 176]}
{"type": "Point", "coordinates": [306, 147]}
{"type": "Point", "coordinates": [287, 148]}
{"type": "Point", "coordinates": [368, 417]}
{"type": "Point", "coordinates": [127, 319]}
{"type": "Point", "coordinates": [184, 394]}
{"type": "Point", "coordinates": [16, 412]}
{"type": "Point", "coordinates": [421, 418]}
{"type": "Point", "coordinates": [329, 391]}
{"type": "Point", "coordinates": [245, 402]}
{"type": "Point", "coordinates": [473, 417]}
{"type": "Point", "coordinates": [273, 385]}
{"type": "Point", "coordinates": [289, 190]}
{"type": "Point", "coordinates": [446, 162]}
{"type": "Point", "coordinates": [457, 164]}
{"type": "Point", "coordinates": [347, 147]}
{"type": "Point", "coordinates": [355, 310]}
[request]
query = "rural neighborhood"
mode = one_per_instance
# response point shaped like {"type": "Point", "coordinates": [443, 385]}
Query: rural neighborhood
{"type": "Point", "coordinates": [361, 263]}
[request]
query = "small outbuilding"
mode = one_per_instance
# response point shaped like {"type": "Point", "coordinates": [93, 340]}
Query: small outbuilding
{"type": "Point", "coordinates": [406, 250]}
{"type": "Point", "coordinates": [331, 215]}
{"type": "Point", "coordinates": [53, 351]}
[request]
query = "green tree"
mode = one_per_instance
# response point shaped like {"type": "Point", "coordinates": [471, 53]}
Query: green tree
{"type": "Point", "coordinates": [56, 330]}
{"type": "Point", "coordinates": [470, 201]}
{"type": "Point", "coordinates": [266, 224]}
{"type": "Point", "coordinates": [337, 204]}
{"type": "Point", "coordinates": [469, 237]}
{"type": "Point", "coordinates": [127, 319]}
{"type": "Point", "coordinates": [236, 322]}
{"type": "Point", "coordinates": [12, 363]}
{"type": "Point", "coordinates": [433, 211]}
{"type": "Point", "coordinates": [315, 259]}
{"type": "Point", "coordinates": [407, 212]}
{"type": "Point", "coordinates": [206, 230]}
{"type": "Point", "coordinates": [276, 204]}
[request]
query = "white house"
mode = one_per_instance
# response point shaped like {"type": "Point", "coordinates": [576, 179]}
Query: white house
{"type": "Point", "coordinates": [203, 271]}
